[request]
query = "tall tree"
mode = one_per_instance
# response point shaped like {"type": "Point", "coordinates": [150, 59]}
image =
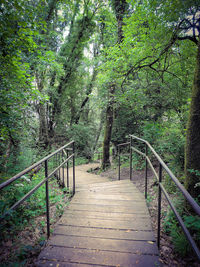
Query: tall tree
{"type": "Point", "coordinates": [154, 36]}
{"type": "Point", "coordinates": [19, 29]}
{"type": "Point", "coordinates": [192, 152]}
{"type": "Point", "coordinates": [120, 8]}
{"type": "Point", "coordinates": [71, 52]}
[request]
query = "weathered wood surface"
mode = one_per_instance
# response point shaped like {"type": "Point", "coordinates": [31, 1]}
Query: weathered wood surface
{"type": "Point", "coordinates": [106, 224]}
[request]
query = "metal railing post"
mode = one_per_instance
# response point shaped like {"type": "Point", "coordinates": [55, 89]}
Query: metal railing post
{"type": "Point", "coordinates": [159, 205]}
{"type": "Point", "coordinates": [131, 144]}
{"type": "Point", "coordinates": [119, 162]}
{"type": "Point", "coordinates": [67, 170]}
{"type": "Point", "coordinates": [63, 174]}
{"type": "Point", "coordinates": [73, 168]}
{"type": "Point", "coordinates": [59, 168]}
{"type": "Point", "coordinates": [47, 198]}
{"type": "Point", "coordinates": [146, 170]}
{"type": "Point", "coordinates": [56, 166]}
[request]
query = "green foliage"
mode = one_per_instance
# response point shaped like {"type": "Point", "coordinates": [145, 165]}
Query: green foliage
{"type": "Point", "coordinates": [150, 199]}
{"type": "Point", "coordinates": [33, 207]}
{"type": "Point", "coordinates": [152, 131]}
{"type": "Point", "coordinates": [172, 227]}
{"type": "Point", "coordinates": [125, 123]}
{"type": "Point", "coordinates": [83, 137]}
{"type": "Point", "coordinates": [181, 244]}
{"type": "Point", "coordinates": [124, 160]}
{"type": "Point", "coordinates": [80, 161]}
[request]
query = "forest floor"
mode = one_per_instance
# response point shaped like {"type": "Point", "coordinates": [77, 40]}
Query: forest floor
{"type": "Point", "coordinates": [167, 254]}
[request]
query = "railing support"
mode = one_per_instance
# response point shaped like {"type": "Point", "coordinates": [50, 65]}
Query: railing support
{"type": "Point", "coordinates": [67, 170]}
{"type": "Point", "coordinates": [159, 205]}
{"type": "Point", "coordinates": [55, 157]}
{"type": "Point", "coordinates": [73, 168]}
{"type": "Point", "coordinates": [59, 169]}
{"type": "Point", "coordinates": [119, 162]}
{"type": "Point", "coordinates": [131, 168]}
{"type": "Point", "coordinates": [47, 198]}
{"type": "Point", "coordinates": [146, 170]}
{"type": "Point", "coordinates": [63, 174]}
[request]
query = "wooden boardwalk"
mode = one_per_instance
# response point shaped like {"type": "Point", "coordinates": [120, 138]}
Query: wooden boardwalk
{"type": "Point", "coordinates": [106, 224]}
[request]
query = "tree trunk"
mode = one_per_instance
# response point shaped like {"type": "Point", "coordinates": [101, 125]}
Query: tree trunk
{"type": "Point", "coordinates": [108, 129]}
{"type": "Point", "coordinates": [192, 153]}
{"type": "Point", "coordinates": [120, 9]}
{"type": "Point", "coordinates": [98, 131]}
{"type": "Point", "coordinates": [42, 112]}
{"type": "Point", "coordinates": [43, 128]}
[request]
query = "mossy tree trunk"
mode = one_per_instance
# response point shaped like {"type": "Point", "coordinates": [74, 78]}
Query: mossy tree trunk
{"type": "Point", "coordinates": [43, 127]}
{"type": "Point", "coordinates": [108, 129]}
{"type": "Point", "coordinates": [192, 153]}
{"type": "Point", "coordinates": [120, 8]}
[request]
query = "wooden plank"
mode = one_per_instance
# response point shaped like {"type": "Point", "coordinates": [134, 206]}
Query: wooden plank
{"type": "Point", "coordinates": [113, 185]}
{"type": "Point", "coordinates": [104, 233]}
{"type": "Point", "coordinates": [96, 257]}
{"type": "Point", "coordinates": [47, 263]}
{"type": "Point", "coordinates": [104, 208]}
{"type": "Point", "coordinates": [109, 190]}
{"type": "Point", "coordinates": [106, 224]}
{"type": "Point", "coordinates": [113, 190]}
{"type": "Point", "coordinates": [106, 196]}
{"type": "Point", "coordinates": [139, 224]}
{"type": "Point", "coordinates": [103, 215]}
{"type": "Point", "coordinates": [109, 202]}
{"type": "Point", "coordinates": [131, 246]}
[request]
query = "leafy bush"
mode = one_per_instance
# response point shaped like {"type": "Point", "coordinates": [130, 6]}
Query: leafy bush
{"type": "Point", "coordinates": [33, 207]}
{"type": "Point", "coordinates": [168, 140]}
{"type": "Point", "coordinates": [171, 226]}
{"type": "Point", "coordinates": [152, 132]}
{"type": "Point", "coordinates": [84, 139]}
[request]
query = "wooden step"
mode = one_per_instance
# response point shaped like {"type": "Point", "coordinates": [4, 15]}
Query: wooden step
{"type": "Point", "coordinates": [106, 224]}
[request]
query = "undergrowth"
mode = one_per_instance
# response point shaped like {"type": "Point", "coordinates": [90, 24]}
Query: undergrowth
{"type": "Point", "coordinates": [29, 219]}
{"type": "Point", "coordinates": [172, 227]}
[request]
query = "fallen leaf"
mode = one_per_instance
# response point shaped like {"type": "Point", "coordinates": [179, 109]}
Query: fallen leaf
{"type": "Point", "coordinates": [150, 242]}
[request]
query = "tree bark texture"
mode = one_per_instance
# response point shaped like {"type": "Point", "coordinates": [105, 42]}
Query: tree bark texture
{"type": "Point", "coordinates": [98, 131]}
{"type": "Point", "coordinates": [73, 52]}
{"type": "Point", "coordinates": [43, 127]}
{"type": "Point", "coordinates": [120, 9]}
{"type": "Point", "coordinates": [192, 153]}
{"type": "Point", "coordinates": [108, 129]}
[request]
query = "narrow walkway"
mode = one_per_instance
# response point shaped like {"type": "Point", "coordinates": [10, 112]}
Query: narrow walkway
{"type": "Point", "coordinates": [106, 224]}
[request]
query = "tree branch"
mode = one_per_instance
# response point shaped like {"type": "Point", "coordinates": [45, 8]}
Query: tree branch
{"type": "Point", "coordinates": [191, 38]}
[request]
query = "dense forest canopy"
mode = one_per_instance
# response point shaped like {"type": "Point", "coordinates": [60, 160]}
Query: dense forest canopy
{"type": "Point", "coordinates": [96, 71]}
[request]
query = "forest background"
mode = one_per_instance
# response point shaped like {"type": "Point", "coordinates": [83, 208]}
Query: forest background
{"type": "Point", "coordinates": [97, 71]}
